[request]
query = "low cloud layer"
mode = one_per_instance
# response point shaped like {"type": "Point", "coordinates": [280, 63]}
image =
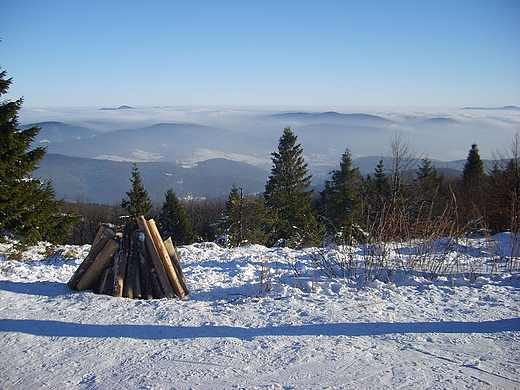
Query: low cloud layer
{"type": "Point", "coordinates": [444, 134]}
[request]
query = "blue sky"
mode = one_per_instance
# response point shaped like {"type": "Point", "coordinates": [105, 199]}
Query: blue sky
{"type": "Point", "coordinates": [262, 53]}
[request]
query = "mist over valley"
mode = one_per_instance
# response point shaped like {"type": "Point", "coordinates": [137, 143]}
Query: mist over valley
{"type": "Point", "coordinates": [202, 152]}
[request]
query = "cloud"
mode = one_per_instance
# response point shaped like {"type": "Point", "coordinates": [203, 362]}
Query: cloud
{"type": "Point", "coordinates": [492, 130]}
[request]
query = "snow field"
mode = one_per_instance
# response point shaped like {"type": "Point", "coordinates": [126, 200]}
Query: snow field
{"type": "Point", "coordinates": [261, 318]}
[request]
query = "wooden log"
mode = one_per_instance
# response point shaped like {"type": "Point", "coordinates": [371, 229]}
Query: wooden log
{"type": "Point", "coordinates": [109, 282]}
{"type": "Point", "coordinates": [97, 266]}
{"type": "Point", "coordinates": [156, 284]}
{"type": "Point", "coordinates": [174, 257]}
{"type": "Point", "coordinates": [156, 259]}
{"type": "Point", "coordinates": [100, 231]}
{"type": "Point", "coordinates": [100, 288]}
{"type": "Point", "coordinates": [165, 259]}
{"type": "Point", "coordinates": [120, 263]}
{"type": "Point", "coordinates": [146, 269]}
{"type": "Point", "coordinates": [97, 246]}
{"type": "Point", "coordinates": [135, 275]}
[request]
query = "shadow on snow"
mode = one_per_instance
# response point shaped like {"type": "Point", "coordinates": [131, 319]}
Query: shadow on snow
{"type": "Point", "coordinates": [157, 332]}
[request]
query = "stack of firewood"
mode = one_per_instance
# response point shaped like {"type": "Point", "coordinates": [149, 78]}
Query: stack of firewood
{"type": "Point", "coordinates": [134, 264]}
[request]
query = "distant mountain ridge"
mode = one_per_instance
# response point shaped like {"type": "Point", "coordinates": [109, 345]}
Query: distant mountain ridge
{"type": "Point", "coordinates": [492, 108]}
{"type": "Point", "coordinates": [106, 182]}
{"type": "Point", "coordinates": [59, 132]}
{"type": "Point", "coordinates": [334, 118]}
{"type": "Point", "coordinates": [251, 138]}
{"type": "Point", "coordinates": [118, 108]}
{"type": "Point", "coordinates": [101, 181]}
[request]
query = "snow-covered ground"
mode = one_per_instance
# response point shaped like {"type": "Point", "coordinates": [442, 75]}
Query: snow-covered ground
{"type": "Point", "coordinates": [310, 330]}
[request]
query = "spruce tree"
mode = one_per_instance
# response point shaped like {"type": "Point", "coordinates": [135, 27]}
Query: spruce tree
{"type": "Point", "coordinates": [287, 195]}
{"type": "Point", "coordinates": [376, 196]}
{"type": "Point", "coordinates": [381, 182]}
{"type": "Point", "coordinates": [138, 202]}
{"type": "Point", "coordinates": [473, 187]}
{"type": "Point", "coordinates": [473, 173]}
{"type": "Point", "coordinates": [173, 221]}
{"type": "Point", "coordinates": [27, 205]}
{"type": "Point", "coordinates": [245, 220]}
{"type": "Point", "coordinates": [340, 201]}
{"type": "Point", "coordinates": [428, 199]}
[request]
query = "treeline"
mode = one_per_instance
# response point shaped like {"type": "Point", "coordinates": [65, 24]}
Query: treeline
{"type": "Point", "coordinates": [405, 197]}
{"type": "Point", "coordinates": [395, 202]}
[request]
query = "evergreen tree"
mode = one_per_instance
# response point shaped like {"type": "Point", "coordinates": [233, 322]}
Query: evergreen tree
{"type": "Point", "coordinates": [173, 221]}
{"type": "Point", "coordinates": [138, 202]}
{"type": "Point", "coordinates": [473, 173]}
{"type": "Point", "coordinates": [504, 204]}
{"type": "Point", "coordinates": [27, 205]}
{"type": "Point", "coordinates": [340, 200]}
{"type": "Point", "coordinates": [244, 220]}
{"type": "Point", "coordinates": [428, 182]}
{"type": "Point", "coordinates": [287, 195]}
{"type": "Point", "coordinates": [377, 192]}
{"type": "Point", "coordinates": [473, 187]}
{"type": "Point", "coordinates": [429, 199]}
{"type": "Point", "coordinates": [381, 182]}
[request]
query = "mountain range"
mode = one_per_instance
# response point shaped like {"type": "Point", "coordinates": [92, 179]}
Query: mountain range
{"type": "Point", "coordinates": [77, 179]}
{"type": "Point", "coordinates": [205, 160]}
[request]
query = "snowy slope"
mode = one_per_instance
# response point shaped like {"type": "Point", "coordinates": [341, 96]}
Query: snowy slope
{"type": "Point", "coordinates": [310, 331]}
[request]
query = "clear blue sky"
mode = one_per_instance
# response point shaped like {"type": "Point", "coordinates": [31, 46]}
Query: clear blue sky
{"type": "Point", "coordinates": [265, 53]}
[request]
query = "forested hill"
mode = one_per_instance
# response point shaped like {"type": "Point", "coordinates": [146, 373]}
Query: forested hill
{"type": "Point", "coordinates": [106, 182]}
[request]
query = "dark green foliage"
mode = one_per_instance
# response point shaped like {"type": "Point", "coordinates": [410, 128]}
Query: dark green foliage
{"type": "Point", "coordinates": [473, 173]}
{"type": "Point", "coordinates": [504, 206]}
{"type": "Point", "coordinates": [473, 187]}
{"type": "Point", "coordinates": [376, 195]}
{"type": "Point", "coordinates": [173, 221]}
{"type": "Point", "coordinates": [340, 202]}
{"type": "Point", "coordinates": [27, 205]}
{"type": "Point", "coordinates": [287, 195]}
{"type": "Point", "coordinates": [428, 183]}
{"type": "Point", "coordinates": [138, 202]}
{"type": "Point", "coordinates": [245, 220]}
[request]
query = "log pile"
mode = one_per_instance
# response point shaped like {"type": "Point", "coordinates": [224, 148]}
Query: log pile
{"type": "Point", "coordinates": [134, 264]}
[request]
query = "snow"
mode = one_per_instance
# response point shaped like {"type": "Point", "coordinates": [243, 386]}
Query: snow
{"type": "Point", "coordinates": [271, 318]}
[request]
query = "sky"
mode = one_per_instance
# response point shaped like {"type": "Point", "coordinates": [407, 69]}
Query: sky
{"type": "Point", "coordinates": [454, 53]}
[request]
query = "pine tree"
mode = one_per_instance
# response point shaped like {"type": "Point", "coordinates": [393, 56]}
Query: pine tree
{"type": "Point", "coordinates": [376, 198]}
{"type": "Point", "coordinates": [429, 199]}
{"type": "Point", "coordinates": [340, 200]}
{"type": "Point", "coordinates": [287, 195]}
{"type": "Point", "coordinates": [381, 182]}
{"type": "Point", "coordinates": [173, 221]}
{"type": "Point", "coordinates": [428, 181]}
{"type": "Point", "coordinates": [27, 205]}
{"type": "Point", "coordinates": [138, 202]}
{"type": "Point", "coordinates": [244, 220]}
{"type": "Point", "coordinates": [473, 187]}
{"type": "Point", "coordinates": [473, 173]}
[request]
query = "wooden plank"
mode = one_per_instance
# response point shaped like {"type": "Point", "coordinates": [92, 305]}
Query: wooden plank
{"type": "Point", "coordinates": [105, 235]}
{"type": "Point", "coordinates": [98, 265]}
{"type": "Point", "coordinates": [165, 259]}
{"type": "Point", "coordinates": [174, 257]}
{"type": "Point", "coordinates": [156, 259]}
